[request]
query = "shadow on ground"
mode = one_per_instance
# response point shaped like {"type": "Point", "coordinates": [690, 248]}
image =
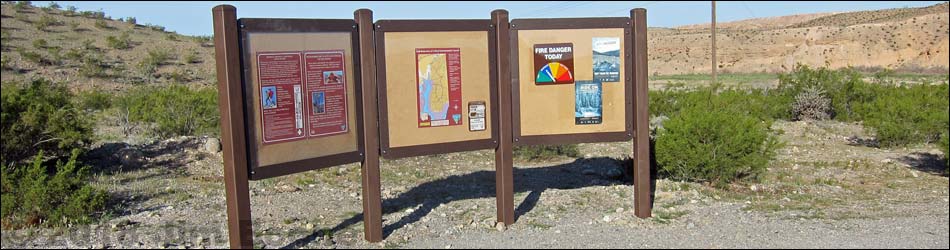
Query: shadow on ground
{"type": "Point", "coordinates": [926, 162]}
{"type": "Point", "coordinates": [426, 197]}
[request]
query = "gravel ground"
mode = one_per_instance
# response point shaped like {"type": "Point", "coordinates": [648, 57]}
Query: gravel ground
{"type": "Point", "coordinates": [843, 195]}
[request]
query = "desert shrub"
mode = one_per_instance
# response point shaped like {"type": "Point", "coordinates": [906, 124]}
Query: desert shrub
{"type": "Point", "coordinates": [171, 37]}
{"type": "Point", "coordinates": [760, 103]}
{"type": "Point", "coordinates": [130, 20]}
{"type": "Point", "coordinates": [56, 55]}
{"type": "Point", "coordinates": [33, 57]}
{"type": "Point", "coordinates": [33, 196]}
{"type": "Point", "coordinates": [811, 104]}
{"type": "Point", "coordinates": [93, 100]}
{"type": "Point", "coordinates": [101, 24]}
{"type": "Point", "coordinates": [40, 43]}
{"type": "Point", "coordinates": [545, 152]}
{"type": "Point", "coordinates": [844, 87]}
{"type": "Point", "coordinates": [902, 115]}
{"type": "Point", "coordinates": [6, 63]}
{"type": "Point", "coordinates": [45, 22]}
{"type": "Point", "coordinates": [92, 66]}
{"type": "Point", "coordinates": [73, 25]}
{"type": "Point", "coordinates": [175, 110]}
{"type": "Point", "coordinates": [713, 145]}
{"type": "Point", "coordinates": [40, 116]}
{"type": "Point", "coordinates": [54, 5]}
{"type": "Point", "coordinates": [70, 10]}
{"type": "Point", "coordinates": [191, 57]}
{"type": "Point", "coordinates": [75, 54]}
{"type": "Point", "coordinates": [22, 5]}
{"type": "Point", "coordinates": [158, 56]}
{"type": "Point", "coordinates": [121, 42]}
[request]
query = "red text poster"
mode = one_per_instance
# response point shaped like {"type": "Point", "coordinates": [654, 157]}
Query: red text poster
{"type": "Point", "coordinates": [439, 82]}
{"type": "Point", "coordinates": [281, 83]}
{"type": "Point", "coordinates": [326, 92]}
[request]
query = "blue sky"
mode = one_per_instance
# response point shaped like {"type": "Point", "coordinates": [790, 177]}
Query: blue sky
{"type": "Point", "coordinates": [194, 18]}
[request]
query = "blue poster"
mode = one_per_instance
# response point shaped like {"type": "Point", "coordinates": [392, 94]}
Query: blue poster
{"type": "Point", "coordinates": [606, 59]}
{"type": "Point", "coordinates": [588, 104]}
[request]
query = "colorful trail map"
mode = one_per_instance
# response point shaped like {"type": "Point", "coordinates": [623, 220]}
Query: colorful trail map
{"type": "Point", "coordinates": [439, 81]}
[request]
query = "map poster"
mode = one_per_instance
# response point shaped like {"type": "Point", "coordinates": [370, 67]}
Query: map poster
{"type": "Point", "coordinates": [439, 82]}
{"type": "Point", "coordinates": [280, 80]}
{"type": "Point", "coordinates": [588, 108]}
{"type": "Point", "coordinates": [326, 90]}
{"type": "Point", "coordinates": [554, 63]}
{"type": "Point", "coordinates": [606, 59]}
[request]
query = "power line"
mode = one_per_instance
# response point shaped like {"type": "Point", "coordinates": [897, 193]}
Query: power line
{"type": "Point", "coordinates": [611, 12]}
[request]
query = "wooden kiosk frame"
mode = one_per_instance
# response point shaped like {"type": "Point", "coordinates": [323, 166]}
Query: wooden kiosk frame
{"type": "Point", "coordinates": [370, 123]}
{"type": "Point", "coordinates": [635, 99]}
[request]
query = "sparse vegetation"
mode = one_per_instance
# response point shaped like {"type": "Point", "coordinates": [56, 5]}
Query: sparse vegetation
{"type": "Point", "coordinates": [121, 42]}
{"type": "Point", "coordinates": [33, 57]}
{"type": "Point", "coordinates": [175, 110]}
{"type": "Point", "coordinates": [102, 25]}
{"type": "Point", "coordinates": [40, 43]}
{"type": "Point", "coordinates": [45, 22]}
{"type": "Point", "coordinates": [545, 152]}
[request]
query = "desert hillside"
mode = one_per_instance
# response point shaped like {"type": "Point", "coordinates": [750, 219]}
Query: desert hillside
{"type": "Point", "coordinates": [907, 39]}
{"type": "Point", "coordinates": [92, 51]}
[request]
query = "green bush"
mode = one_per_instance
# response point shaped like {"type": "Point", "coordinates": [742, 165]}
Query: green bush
{"type": "Point", "coordinates": [545, 152]}
{"type": "Point", "coordinates": [175, 110]}
{"type": "Point", "coordinates": [759, 103]}
{"type": "Point", "coordinates": [709, 144]}
{"type": "Point", "coordinates": [45, 22]}
{"type": "Point", "coordinates": [130, 20]}
{"type": "Point", "coordinates": [845, 87]}
{"type": "Point", "coordinates": [33, 196]}
{"type": "Point", "coordinates": [40, 116]}
{"type": "Point", "coordinates": [902, 115]}
{"type": "Point", "coordinates": [121, 42]}
{"type": "Point", "coordinates": [94, 100]}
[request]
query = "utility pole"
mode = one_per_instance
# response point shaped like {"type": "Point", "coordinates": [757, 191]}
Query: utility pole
{"type": "Point", "coordinates": [713, 33]}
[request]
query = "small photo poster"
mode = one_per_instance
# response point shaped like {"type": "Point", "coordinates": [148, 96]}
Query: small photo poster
{"type": "Point", "coordinates": [588, 103]}
{"type": "Point", "coordinates": [270, 97]}
{"type": "Point", "coordinates": [606, 58]}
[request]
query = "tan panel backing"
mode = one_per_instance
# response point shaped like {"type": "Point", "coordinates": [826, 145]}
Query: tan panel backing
{"type": "Point", "coordinates": [401, 85]}
{"type": "Point", "coordinates": [549, 109]}
{"type": "Point", "coordinates": [313, 147]}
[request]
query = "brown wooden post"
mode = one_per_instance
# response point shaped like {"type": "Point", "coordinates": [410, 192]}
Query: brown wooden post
{"type": "Point", "coordinates": [372, 200]}
{"type": "Point", "coordinates": [643, 201]}
{"type": "Point", "coordinates": [504, 172]}
{"type": "Point", "coordinates": [233, 141]}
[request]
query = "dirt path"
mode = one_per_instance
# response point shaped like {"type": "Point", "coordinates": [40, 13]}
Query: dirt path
{"type": "Point", "coordinates": [826, 189]}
